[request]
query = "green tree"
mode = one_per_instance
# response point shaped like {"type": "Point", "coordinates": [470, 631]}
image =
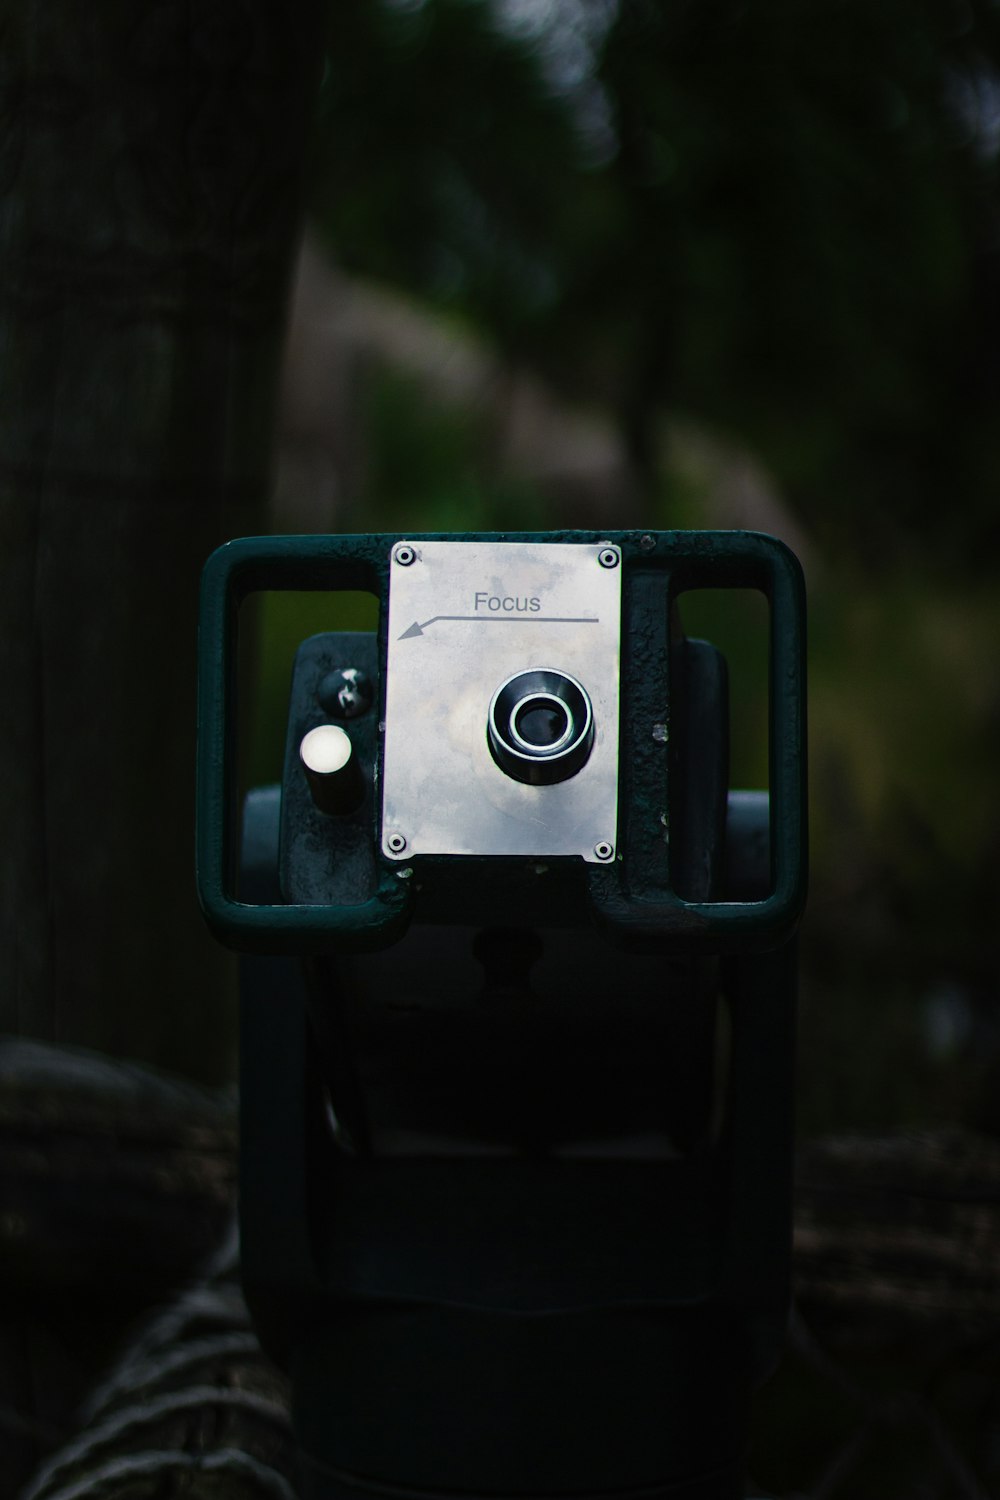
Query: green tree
{"type": "Point", "coordinates": [786, 223]}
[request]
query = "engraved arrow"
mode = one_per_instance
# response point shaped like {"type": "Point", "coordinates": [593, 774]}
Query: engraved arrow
{"type": "Point", "coordinates": [418, 629]}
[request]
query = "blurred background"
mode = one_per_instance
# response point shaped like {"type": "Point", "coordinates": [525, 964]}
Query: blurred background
{"type": "Point", "coordinates": [579, 262]}
{"type": "Point", "coordinates": [566, 263]}
{"type": "Point", "coordinates": [621, 263]}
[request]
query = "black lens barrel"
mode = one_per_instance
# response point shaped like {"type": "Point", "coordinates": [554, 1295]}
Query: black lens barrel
{"type": "Point", "coordinates": [541, 726]}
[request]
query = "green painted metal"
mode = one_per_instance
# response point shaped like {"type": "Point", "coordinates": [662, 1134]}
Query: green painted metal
{"type": "Point", "coordinates": [669, 562]}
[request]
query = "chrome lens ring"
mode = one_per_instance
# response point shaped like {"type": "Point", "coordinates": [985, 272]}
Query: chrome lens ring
{"type": "Point", "coordinates": [540, 726]}
{"type": "Point", "coordinates": [530, 713]}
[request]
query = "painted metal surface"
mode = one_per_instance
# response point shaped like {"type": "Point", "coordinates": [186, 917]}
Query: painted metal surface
{"type": "Point", "coordinates": [631, 893]}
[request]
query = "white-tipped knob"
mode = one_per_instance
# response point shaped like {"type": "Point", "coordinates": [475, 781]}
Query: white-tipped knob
{"type": "Point", "coordinates": [327, 757]}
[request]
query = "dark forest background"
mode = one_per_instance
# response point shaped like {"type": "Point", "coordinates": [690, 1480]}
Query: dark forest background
{"type": "Point", "coordinates": [743, 262]}
{"type": "Point", "coordinates": [566, 262]}
{"type": "Point", "coordinates": [476, 264]}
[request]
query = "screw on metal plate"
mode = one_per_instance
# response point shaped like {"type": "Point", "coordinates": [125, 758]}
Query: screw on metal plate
{"type": "Point", "coordinates": [647, 542]}
{"type": "Point", "coordinates": [396, 843]}
{"type": "Point", "coordinates": [661, 733]}
{"type": "Point", "coordinates": [604, 850]}
{"type": "Point", "coordinates": [404, 555]}
{"type": "Point", "coordinates": [608, 557]}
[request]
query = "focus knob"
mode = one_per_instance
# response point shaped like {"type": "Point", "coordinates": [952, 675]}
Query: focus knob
{"type": "Point", "coordinates": [332, 770]}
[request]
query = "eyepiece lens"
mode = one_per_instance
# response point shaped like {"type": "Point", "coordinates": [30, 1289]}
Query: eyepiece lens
{"type": "Point", "coordinates": [540, 726]}
{"type": "Point", "coordinates": [541, 722]}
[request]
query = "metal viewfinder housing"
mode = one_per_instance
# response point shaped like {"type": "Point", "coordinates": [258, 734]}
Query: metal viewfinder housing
{"type": "Point", "coordinates": [571, 763]}
{"type": "Point", "coordinates": [487, 639]}
{"type": "Point", "coordinates": [515, 1198]}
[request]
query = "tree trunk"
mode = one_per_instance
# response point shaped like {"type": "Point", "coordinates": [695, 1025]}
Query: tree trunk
{"type": "Point", "coordinates": [149, 170]}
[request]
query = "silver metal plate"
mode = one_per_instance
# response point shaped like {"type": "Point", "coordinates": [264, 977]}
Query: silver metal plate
{"type": "Point", "coordinates": [463, 618]}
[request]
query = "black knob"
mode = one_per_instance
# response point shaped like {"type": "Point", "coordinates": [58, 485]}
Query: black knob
{"type": "Point", "coordinates": [346, 692]}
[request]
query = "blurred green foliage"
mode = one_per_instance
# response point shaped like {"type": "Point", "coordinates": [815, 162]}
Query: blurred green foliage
{"type": "Point", "coordinates": [426, 460]}
{"type": "Point", "coordinates": [779, 216]}
{"type": "Point", "coordinates": [778, 220]}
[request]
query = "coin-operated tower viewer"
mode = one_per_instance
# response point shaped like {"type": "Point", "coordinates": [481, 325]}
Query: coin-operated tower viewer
{"type": "Point", "coordinates": [517, 1003]}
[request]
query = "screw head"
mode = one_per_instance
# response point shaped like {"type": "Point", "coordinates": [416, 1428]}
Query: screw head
{"type": "Point", "coordinates": [647, 542]}
{"type": "Point", "coordinates": [396, 843]}
{"type": "Point", "coordinates": [404, 555]}
{"type": "Point", "coordinates": [608, 556]}
{"type": "Point", "coordinates": [604, 851]}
